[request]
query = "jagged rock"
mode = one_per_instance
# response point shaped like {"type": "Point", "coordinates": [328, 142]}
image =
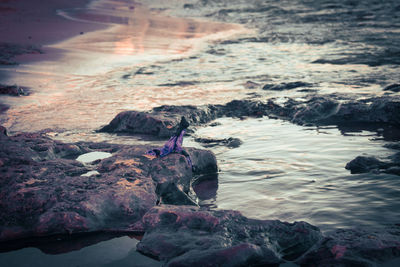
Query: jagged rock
{"type": "Point", "coordinates": [43, 190]}
{"type": "Point", "coordinates": [355, 247]}
{"type": "Point", "coordinates": [190, 236]}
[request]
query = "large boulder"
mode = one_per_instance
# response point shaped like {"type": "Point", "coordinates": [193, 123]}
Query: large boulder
{"type": "Point", "coordinates": [191, 236]}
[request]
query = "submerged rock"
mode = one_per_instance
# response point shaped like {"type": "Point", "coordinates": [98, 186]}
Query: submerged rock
{"type": "Point", "coordinates": [393, 87]}
{"type": "Point", "coordinates": [285, 86]}
{"type": "Point", "coordinates": [45, 191]}
{"type": "Point", "coordinates": [190, 236]}
{"type": "Point", "coordinates": [228, 142]}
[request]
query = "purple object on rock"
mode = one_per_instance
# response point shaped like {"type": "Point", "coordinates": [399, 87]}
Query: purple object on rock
{"type": "Point", "coordinates": [174, 144]}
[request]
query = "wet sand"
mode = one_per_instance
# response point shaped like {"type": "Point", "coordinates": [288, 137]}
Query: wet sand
{"type": "Point", "coordinates": [32, 23]}
{"type": "Point", "coordinates": [74, 74]}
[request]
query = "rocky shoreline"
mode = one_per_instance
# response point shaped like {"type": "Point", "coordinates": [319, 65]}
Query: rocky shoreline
{"type": "Point", "coordinates": [45, 191]}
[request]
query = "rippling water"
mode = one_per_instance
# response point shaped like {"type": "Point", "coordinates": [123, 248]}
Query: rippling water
{"type": "Point", "coordinates": [198, 52]}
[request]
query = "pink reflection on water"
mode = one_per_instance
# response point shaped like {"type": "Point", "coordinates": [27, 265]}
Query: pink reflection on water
{"type": "Point", "coordinates": [82, 88]}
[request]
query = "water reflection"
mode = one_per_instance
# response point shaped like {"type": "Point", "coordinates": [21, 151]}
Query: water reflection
{"type": "Point", "coordinates": [288, 172]}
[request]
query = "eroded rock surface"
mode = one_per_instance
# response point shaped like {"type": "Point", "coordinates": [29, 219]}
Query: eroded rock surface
{"type": "Point", "coordinates": [43, 192]}
{"type": "Point", "coordinates": [191, 236]}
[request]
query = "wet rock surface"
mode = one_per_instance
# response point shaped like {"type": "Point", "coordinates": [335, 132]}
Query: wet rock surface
{"type": "Point", "coordinates": [285, 86]}
{"type": "Point", "coordinates": [192, 236]}
{"type": "Point", "coordinates": [363, 164]}
{"type": "Point", "coordinates": [314, 110]}
{"type": "Point", "coordinates": [161, 121]}
{"type": "Point", "coordinates": [184, 236]}
{"type": "Point", "coordinates": [44, 192]}
{"type": "Point", "coordinates": [228, 142]}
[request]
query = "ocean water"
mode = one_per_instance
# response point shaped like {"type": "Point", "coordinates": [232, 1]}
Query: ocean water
{"type": "Point", "coordinates": [204, 51]}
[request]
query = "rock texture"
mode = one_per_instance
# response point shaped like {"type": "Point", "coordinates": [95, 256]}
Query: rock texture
{"type": "Point", "coordinates": [162, 121]}
{"type": "Point", "coordinates": [191, 236]}
{"type": "Point", "coordinates": [316, 110]}
{"type": "Point", "coordinates": [43, 192]}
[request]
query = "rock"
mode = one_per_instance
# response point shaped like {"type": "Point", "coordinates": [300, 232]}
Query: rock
{"type": "Point", "coordinates": [228, 142]}
{"type": "Point", "coordinates": [191, 236]}
{"type": "Point", "coordinates": [363, 164]}
{"type": "Point", "coordinates": [44, 190]}
{"type": "Point", "coordinates": [161, 121]}
{"type": "Point", "coordinates": [317, 109]}
{"type": "Point", "coordinates": [13, 90]}
{"type": "Point", "coordinates": [393, 87]}
{"type": "Point", "coordinates": [355, 247]}
{"type": "Point", "coordinates": [325, 111]}
{"type": "Point", "coordinates": [251, 85]}
{"type": "Point", "coordinates": [285, 86]}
